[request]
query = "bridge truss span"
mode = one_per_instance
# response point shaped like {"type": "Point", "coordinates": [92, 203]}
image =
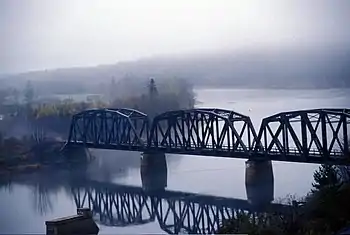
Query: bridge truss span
{"type": "Point", "coordinates": [123, 129]}
{"type": "Point", "coordinates": [203, 131]}
{"type": "Point", "coordinates": [317, 135]}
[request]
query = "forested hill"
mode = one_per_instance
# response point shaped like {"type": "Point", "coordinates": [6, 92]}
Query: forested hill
{"type": "Point", "coordinates": [258, 69]}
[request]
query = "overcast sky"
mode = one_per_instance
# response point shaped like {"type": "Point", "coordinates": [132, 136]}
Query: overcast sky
{"type": "Point", "coordinates": [45, 34]}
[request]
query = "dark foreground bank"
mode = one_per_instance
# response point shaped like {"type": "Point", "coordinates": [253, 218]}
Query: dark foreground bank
{"type": "Point", "coordinates": [325, 210]}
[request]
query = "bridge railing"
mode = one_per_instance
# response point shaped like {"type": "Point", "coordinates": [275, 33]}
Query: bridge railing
{"type": "Point", "coordinates": [311, 152]}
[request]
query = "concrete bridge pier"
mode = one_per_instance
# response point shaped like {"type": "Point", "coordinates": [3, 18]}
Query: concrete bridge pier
{"type": "Point", "coordinates": [259, 181]}
{"type": "Point", "coordinates": [154, 171]}
{"type": "Point", "coordinates": [77, 153]}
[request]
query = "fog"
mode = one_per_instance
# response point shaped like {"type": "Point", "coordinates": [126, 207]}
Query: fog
{"type": "Point", "coordinates": [47, 34]}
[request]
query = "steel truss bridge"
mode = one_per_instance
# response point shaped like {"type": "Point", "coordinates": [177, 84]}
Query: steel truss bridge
{"type": "Point", "coordinates": [314, 136]}
{"type": "Point", "coordinates": [175, 212]}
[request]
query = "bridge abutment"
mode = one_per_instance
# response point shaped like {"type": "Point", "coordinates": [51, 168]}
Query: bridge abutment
{"type": "Point", "coordinates": [259, 181]}
{"type": "Point", "coordinates": [154, 171]}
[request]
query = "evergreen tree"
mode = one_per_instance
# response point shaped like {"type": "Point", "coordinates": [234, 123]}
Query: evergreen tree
{"type": "Point", "coordinates": [152, 106]}
{"type": "Point", "coordinates": [153, 91]}
{"type": "Point", "coordinates": [325, 176]}
{"type": "Point", "coordinates": [15, 94]}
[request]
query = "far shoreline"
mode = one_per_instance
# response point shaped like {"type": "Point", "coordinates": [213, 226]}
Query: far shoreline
{"type": "Point", "coordinates": [229, 87]}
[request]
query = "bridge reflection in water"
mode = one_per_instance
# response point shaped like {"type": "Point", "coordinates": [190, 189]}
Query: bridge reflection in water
{"type": "Point", "coordinates": [176, 212]}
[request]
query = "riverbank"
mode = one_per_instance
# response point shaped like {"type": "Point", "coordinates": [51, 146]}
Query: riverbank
{"type": "Point", "coordinates": [325, 210]}
{"type": "Point", "coordinates": [22, 155]}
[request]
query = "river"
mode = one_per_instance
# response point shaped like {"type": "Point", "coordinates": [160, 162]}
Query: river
{"type": "Point", "coordinates": [26, 204]}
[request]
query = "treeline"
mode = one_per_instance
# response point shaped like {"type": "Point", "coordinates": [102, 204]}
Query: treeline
{"type": "Point", "coordinates": [149, 98]}
{"type": "Point", "coordinates": [174, 94]}
{"type": "Point", "coordinates": [145, 95]}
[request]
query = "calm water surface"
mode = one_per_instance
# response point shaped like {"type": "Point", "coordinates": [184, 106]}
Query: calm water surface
{"type": "Point", "coordinates": [31, 199]}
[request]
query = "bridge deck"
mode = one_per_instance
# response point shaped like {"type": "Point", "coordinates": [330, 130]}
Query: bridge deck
{"type": "Point", "coordinates": [293, 155]}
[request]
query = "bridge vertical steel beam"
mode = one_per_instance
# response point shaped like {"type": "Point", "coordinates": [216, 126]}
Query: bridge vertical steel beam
{"type": "Point", "coordinates": [252, 136]}
{"type": "Point", "coordinates": [250, 144]}
{"type": "Point", "coordinates": [106, 128]}
{"type": "Point", "coordinates": [173, 126]}
{"type": "Point", "coordinates": [284, 136]}
{"type": "Point", "coordinates": [186, 130]}
{"type": "Point", "coordinates": [265, 138]}
{"type": "Point", "coordinates": [233, 136]}
{"type": "Point", "coordinates": [345, 136]}
{"type": "Point", "coordinates": [88, 129]}
{"type": "Point", "coordinates": [202, 130]}
{"type": "Point", "coordinates": [102, 131]}
{"type": "Point", "coordinates": [170, 138]}
{"type": "Point", "coordinates": [97, 127]}
{"type": "Point", "coordinates": [93, 128]}
{"type": "Point", "coordinates": [180, 131]}
{"type": "Point", "coordinates": [97, 121]}
{"type": "Point", "coordinates": [324, 135]}
{"type": "Point", "coordinates": [259, 139]}
{"type": "Point", "coordinates": [150, 140]}
{"type": "Point", "coordinates": [211, 130]}
{"type": "Point", "coordinates": [116, 137]}
{"type": "Point", "coordinates": [197, 130]}
{"type": "Point", "coordinates": [189, 121]}
{"type": "Point", "coordinates": [71, 127]}
{"type": "Point", "coordinates": [101, 127]}
{"type": "Point", "coordinates": [228, 137]}
{"type": "Point", "coordinates": [183, 130]}
{"type": "Point", "coordinates": [127, 121]}
{"type": "Point", "coordinates": [217, 133]}
{"type": "Point", "coordinates": [303, 118]}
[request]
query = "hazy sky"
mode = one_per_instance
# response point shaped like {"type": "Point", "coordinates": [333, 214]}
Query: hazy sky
{"type": "Point", "coordinates": [45, 34]}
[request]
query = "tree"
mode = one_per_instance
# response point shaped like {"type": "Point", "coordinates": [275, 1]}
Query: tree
{"type": "Point", "coordinates": [153, 91]}
{"type": "Point", "coordinates": [29, 92]}
{"type": "Point", "coordinates": [152, 105]}
{"type": "Point", "coordinates": [325, 176]}
{"type": "Point", "coordinates": [15, 94]}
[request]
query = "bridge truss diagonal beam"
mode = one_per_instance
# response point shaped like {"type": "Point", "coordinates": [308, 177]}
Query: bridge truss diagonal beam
{"type": "Point", "coordinates": [107, 128]}
{"type": "Point", "coordinates": [317, 135]}
{"type": "Point", "coordinates": [200, 130]}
